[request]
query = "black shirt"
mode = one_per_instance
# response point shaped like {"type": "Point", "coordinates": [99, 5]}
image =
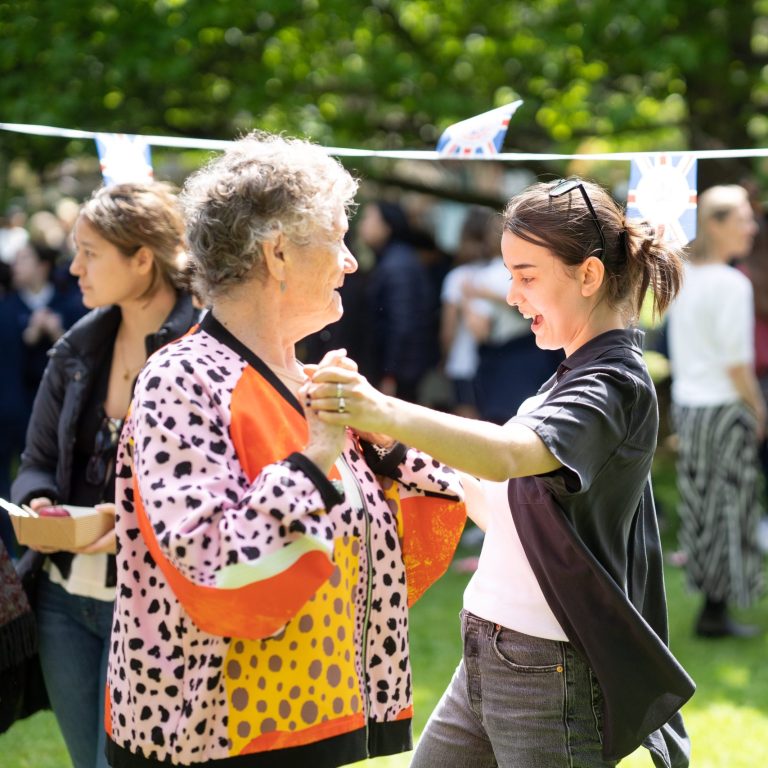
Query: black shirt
{"type": "Point", "coordinates": [600, 421]}
{"type": "Point", "coordinates": [590, 533]}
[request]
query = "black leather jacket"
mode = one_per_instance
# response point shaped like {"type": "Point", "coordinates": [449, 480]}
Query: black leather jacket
{"type": "Point", "coordinates": [46, 464]}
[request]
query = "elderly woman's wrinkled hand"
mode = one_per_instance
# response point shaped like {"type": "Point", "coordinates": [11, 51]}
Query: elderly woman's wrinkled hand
{"type": "Point", "coordinates": [326, 441]}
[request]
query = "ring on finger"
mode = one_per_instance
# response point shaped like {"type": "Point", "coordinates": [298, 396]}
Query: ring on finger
{"type": "Point", "coordinates": [342, 405]}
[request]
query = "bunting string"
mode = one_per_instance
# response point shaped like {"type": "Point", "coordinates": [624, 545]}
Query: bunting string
{"type": "Point", "coordinates": [221, 145]}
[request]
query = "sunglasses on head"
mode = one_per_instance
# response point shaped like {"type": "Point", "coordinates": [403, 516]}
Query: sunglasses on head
{"type": "Point", "coordinates": [566, 186]}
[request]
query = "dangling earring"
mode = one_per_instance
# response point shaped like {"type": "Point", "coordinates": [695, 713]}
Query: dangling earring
{"type": "Point", "coordinates": [282, 286]}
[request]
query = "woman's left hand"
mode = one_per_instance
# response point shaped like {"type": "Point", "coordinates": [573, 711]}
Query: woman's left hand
{"type": "Point", "coordinates": [106, 543]}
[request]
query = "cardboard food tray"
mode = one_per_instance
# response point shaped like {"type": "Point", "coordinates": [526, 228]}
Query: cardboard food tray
{"type": "Point", "coordinates": [81, 527]}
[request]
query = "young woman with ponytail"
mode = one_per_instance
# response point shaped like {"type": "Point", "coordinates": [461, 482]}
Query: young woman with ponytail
{"type": "Point", "coordinates": [564, 623]}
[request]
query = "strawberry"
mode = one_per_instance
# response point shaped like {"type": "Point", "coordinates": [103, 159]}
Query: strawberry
{"type": "Point", "coordinates": [53, 511]}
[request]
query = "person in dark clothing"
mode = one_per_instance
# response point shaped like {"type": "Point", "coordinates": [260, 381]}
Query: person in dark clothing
{"type": "Point", "coordinates": [564, 625]}
{"type": "Point", "coordinates": [128, 263]}
{"type": "Point", "coordinates": [18, 644]}
{"type": "Point", "coordinates": [33, 315]}
{"type": "Point", "coordinates": [401, 300]}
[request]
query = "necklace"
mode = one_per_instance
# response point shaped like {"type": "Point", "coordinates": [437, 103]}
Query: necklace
{"type": "Point", "coordinates": [128, 372]}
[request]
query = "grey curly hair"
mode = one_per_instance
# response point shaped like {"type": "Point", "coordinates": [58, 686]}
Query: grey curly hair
{"type": "Point", "coordinates": [263, 185]}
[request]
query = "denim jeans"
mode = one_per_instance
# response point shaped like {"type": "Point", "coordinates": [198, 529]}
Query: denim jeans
{"type": "Point", "coordinates": [515, 701]}
{"type": "Point", "coordinates": [74, 647]}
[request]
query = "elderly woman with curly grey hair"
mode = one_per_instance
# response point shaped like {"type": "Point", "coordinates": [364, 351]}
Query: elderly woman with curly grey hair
{"type": "Point", "coordinates": [266, 560]}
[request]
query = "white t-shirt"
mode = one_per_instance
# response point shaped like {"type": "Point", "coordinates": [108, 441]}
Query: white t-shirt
{"type": "Point", "coordinates": [461, 360]}
{"type": "Point", "coordinates": [504, 588]}
{"type": "Point", "coordinates": [87, 577]}
{"type": "Point", "coordinates": [711, 328]}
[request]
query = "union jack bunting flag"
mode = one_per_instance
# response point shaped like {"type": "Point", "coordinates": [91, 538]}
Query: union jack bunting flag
{"type": "Point", "coordinates": [479, 136]}
{"type": "Point", "coordinates": [124, 158]}
{"type": "Point", "coordinates": [662, 191]}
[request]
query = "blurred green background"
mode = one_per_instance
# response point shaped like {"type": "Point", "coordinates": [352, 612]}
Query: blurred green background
{"type": "Point", "coordinates": [595, 75]}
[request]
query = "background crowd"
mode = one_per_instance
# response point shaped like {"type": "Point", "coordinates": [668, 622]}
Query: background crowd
{"type": "Point", "coordinates": [425, 314]}
{"type": "Point", "coordinates": [426, 319]}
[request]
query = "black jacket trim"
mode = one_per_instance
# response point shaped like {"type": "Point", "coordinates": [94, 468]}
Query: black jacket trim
{"type": "Point", "coordinates": [389, 738]}
{"type": "Point", "coordinates": [383, 739]}
{"type": "Point", "coordinates": [386, 465]}
{"type": "Point", "coordinates": [212, 326]}
{"type": "Point", "coordinates": [330, 494]}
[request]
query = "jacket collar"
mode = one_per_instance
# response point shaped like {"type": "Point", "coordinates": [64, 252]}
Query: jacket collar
{"type": "Point", "coordinates": [183, 316]}
{"type": "Point", "coordinates": [214, 328]}
{"type": "Point", "coordinates": [97, 330]}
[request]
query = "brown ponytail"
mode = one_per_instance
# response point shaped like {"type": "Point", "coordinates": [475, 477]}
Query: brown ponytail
{"type": "Point", "coordinates": [635, 258]}
{"type": "Point", "coordinates": [652, 264]}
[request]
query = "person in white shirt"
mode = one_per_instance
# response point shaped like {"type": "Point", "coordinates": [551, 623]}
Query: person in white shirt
{"type": "Point", "coordinates": [459, 345]}
{"type": "Point", "coordinates": [719, 414]}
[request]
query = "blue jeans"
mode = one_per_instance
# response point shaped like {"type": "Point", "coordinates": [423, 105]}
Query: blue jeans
{"type": "Point", "coordinates": [74, 647]}
{"type": "Point", "coordinates": [515, 701]}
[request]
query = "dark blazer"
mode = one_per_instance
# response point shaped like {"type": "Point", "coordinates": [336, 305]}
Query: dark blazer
{"type": "Point", "coordinates": [46, 464]}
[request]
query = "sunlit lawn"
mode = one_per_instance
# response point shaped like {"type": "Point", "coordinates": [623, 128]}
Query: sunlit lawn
{"type": "Point", "coordinates": [727, 718]}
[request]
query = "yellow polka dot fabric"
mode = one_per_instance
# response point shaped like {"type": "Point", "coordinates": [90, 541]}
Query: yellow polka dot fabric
{"type": "Point", "coordinates": [303, 677]}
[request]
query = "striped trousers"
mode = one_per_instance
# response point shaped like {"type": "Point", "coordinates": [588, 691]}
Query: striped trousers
{"type": "Point", "coordinates": [717, 479]}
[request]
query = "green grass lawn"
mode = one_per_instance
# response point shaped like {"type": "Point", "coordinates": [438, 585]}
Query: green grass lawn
{"type": "Point", "coordinates": [727, 718]}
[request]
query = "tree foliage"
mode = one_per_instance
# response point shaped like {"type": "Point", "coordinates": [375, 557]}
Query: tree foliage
{"type": "Point", "coordinates": [594, 74]}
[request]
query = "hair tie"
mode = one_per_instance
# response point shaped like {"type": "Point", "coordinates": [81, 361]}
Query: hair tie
{"type": "Point", "coordinates": [623, 240]}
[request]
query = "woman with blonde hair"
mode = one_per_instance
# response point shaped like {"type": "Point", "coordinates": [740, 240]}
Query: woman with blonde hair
{"type": "Point", "coordinates": [719, 414]}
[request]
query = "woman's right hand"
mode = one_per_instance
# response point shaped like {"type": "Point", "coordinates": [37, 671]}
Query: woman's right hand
{"type": "Point", "coordinates": [36, 505]}
{"type": "Point", "coordinates": [326, 441]}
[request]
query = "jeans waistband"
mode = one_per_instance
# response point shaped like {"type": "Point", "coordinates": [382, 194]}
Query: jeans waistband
{"type": "Point", "coordinates": [488, 628]}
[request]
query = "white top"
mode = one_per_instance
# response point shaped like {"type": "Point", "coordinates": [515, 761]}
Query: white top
{"type": "Point", "coordinates": [461, 359]}
{"type": "Point", "coordinates": [504, 588]}
{"type": "Point", "coordinates": [40, 299]}
{"type": "Point", "coordinates": [711, 329]}
{"type": "Point", "coordinates": [87, 577]}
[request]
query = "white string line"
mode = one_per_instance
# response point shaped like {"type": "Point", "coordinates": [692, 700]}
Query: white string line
{"type": "Point", "coordinates": [220, 145]}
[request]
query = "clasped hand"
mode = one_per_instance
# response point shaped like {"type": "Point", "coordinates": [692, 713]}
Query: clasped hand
{"type": "Point", "coordinates": [338, 394]}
